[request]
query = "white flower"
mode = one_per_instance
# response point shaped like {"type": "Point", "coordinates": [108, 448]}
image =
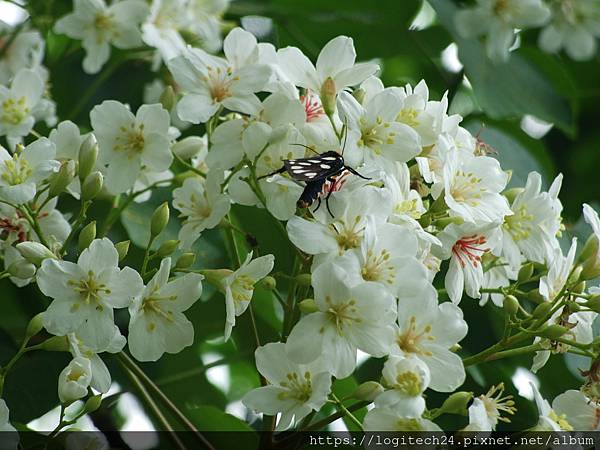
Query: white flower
{"type": "Point", "coordinates": [294, 390]}
{"type": "Point", "coordinates": [472, 186]}
{"type": "Point", "coordinates": [17, 104]}
{"type": "Point", "coordinates": [25, 51]}
{"type": "Point", "coordinates": [559, 269]}
{"type": "Point", "coordinates": [23, 172]}
{"type": "Point", "coordinates": [349, 318]}
{"type": "Point", "coordinates": [128, 142]}
{"type": "Point", "coordinates": [162, 26]}
{"type": "Point", "coordinates": [498, 19]}
{"type": "Point", "coordinates": [157, 323]}
{"type": "Point", "coordinates": [74, 380]}
{"type": "Point", "coordinates": [549, 420]}
{"type": "Point", "coordinates": [10, 438]}
{"type": "Point", "coordinates": [407, 203]}
{"type": "Point", "coordinates": [98, 26]}
{"type": "Point", "coordinates": [487, 410]}
{"type": "Point", "coordinates": [205, 22]}
{"type": "Point", "coordinates": [101, 379]}
{"type": "Point", "coordinates": [465, 245]}
{"type": "Point", "coordinates": [85, 293]}
{"type": "Point", "coordinates": [591, 217]}
{"type": "Point", "coordinates": [212, 82]}
{"type": "Point", "coordinates": [575, 26]}
{"type": "Point", "coordinates": [532, 227]}
{"type": "Point", "coordinates": [345, 231]}
{"type": "Point", "coordinates": [202, 206]}
{"type": "Point", "coordinates": [374, 137]}
{"type": "Point", "coordinates": [498, 275]}
{"type": "Point", "coordinates": [428, 331]}
{"type": "Point", "coordinates": [580, 412]}
{"type": "Point", "coordinates": [400, 418]}
{"type": "Point", "coordinates": [336, 61]}
{"type": "Point", "coordinates": [407, 378]}
{"type": "Point", "coordinates": [68, 139]}
{"type": "Point", "coordinates": [239, 287]}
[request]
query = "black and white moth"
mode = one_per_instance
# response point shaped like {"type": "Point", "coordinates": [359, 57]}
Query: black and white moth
{"type": "Point", "coordinates": [323, 175]}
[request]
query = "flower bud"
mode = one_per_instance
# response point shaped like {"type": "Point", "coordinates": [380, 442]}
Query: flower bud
{"type": "Point", "coordinates": [74, 380]}
{"type": "Point", "coordinates": [167, 248]}
{"type": "Point", "coordinates": [590, 249]}
{"type": "Point", "coordinates": [35, 326]}
{"type": "Point", "coordinates": [93, 403]}
{"type": "Point", "coordinates": [525, 273]}
{"type": "Point", "coordinates": [55, 344]}
{"type": "Point", "coordinates": [92, 186]}
{"type": "Point", "coordinates": [160, 219]}
{"type": "Point", "coordinates": [573, 306]}
{"type": "Point", "coordinates": [367, 391]}
{"type": "Point", "coordinates": [215, 276]}
{"type": "Point", "coordinates": [122, 249]}
{"type": "Point", "coordinates": [22, 269]}
{"type": "Point", "coordinates": [510, 194]}
{"type": "Point", "coordinates": [594, 303]}
{"type": "Point", "coordinates": [34, 252]}
{"type": "Point", "coordinates": [457, 403]}
{"type": "Point", "coordinates": [86, 236]}
{"type": "Point", "coordinates": [535, 296]}
{"type": "Point", "coordinates": [304, 279]}
{"type": "Point", "coordinates": [269, 283]}
{"type": "Point", "coordinates": [188, 147]}
{"type": "Point", "coordinates": [542, 310]}
{"type": "Point", "coordinates": [552, 331]}
{"type": "Point", "coordinates": [308, 305]}
{"type": "Point", "coordinates": [168, 98]}
{"type": "Point", "coordinates": [579, 287]}
{"type": "Point", "coordinates": [510, 305]}
{"type": "Point", "coordinates": [186, 260]}
{"type": "Point", "coordinates": [328, 96]}
{"type": "Point", "coordinates": [61, 179]}
{"type": "Point", "coordinates": [359, 95]}
{"type": "Point", "coordinates": [88, 155]}
{"type": "Point", "coordinates": [575, 276]}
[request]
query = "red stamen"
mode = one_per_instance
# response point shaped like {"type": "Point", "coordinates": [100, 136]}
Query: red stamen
{"type": "Point", "coordinates": [313, 108]}
{"type": "Point", "coordinates": [465, 250]}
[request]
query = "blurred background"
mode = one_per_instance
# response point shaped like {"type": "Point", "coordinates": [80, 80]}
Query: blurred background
{"type": "Point", "coordinates": [537, 112]}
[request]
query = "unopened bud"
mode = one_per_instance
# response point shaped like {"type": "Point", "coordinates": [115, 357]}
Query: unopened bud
{"type": "Point", "coordinates": [457, 403]}
{"type": "Point", "coordinates": [511, 194]}
{"type": "Point", "coordinates": [35, 326]}
{"type": "Point", "coordinates": [575, 276]}
{"type": "Point", "coordinates": [215, 277]}
{"type": "Point", "coordinates": [167, 248]}
{"type": "Point", "coordinates": [269, 283]}
{"type": "Point", "coordinates": [92, 186]}
{"type": "Point", "coordinates": [525, 273]}
{"type": "Point", "coordinates": [188, 147]}
{"type": "Point", "coordinates": [542, 310]}
{"type": "Point", "coordinates": [367, 391]}
{"type": "Point", "coordinates": [579, 288]}
{"type": "Point", "coordinates": [160, 219]}
{"type": "Point", "coordinates": [122, 249]}
{"type": "Point", "coordinates": [61, 179]}
{"type": "Point", "coordinates": [55, 344]}
{"type": "Point", "coordinates": [445, 221]}
{"type": "Point", "coordinates": [511, 305]}
{"type": "Point", "coordinates": [88, 155]}
{"type": "Point", "coordinates": [594, 303]}
{"type": "Point", "coordinates": [328, 95]}
{"type": "Point", "coordinates": [34, 252]}
{"type": "Point", "coordinates": [590, 249]}
{"type": "Point", "coordinates": [359, 95]}
{"type": "Point", "coordinates": [535, 296]}
{"type": "Point", "coordinates": [86, 236]}
{"type": "Point", "coordinates": [552, 331]}
{"type": "Point", "coordinates": [308, 306]}
{"type": "Point", "coordinates": [573, 306]}
{"type": "Point", "coordinates": [168, 98]}
{"type": "Point", "coordinates": [93, 403]}
{"type": "Point", "coordinates": [186, 260]}
{"type": "Point", "coordinates": [22, 269]}
{"type": "Point", "coordinates": [304, 279]}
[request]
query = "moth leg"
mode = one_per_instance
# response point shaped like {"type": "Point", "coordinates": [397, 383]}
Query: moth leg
{"type": "Point", "coordinates": [351, 170]}
{"type": "Point", "coordinates": [283, 169]}
{"type": "Point", "coordinates": [318, 205]}
{"type": "Point", "coordinates": [331, 188]}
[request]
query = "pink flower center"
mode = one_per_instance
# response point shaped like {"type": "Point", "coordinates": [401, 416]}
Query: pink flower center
{"type": "Point", "coordinates": [312, 106]}
{"type": "Point", "coordinates": [468, 250]}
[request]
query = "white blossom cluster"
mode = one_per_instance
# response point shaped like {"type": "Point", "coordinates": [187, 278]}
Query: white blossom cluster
{"type": "Point", "coordinates": [430, 208]}
{"type": "Point", "coordinates": [569, 25]}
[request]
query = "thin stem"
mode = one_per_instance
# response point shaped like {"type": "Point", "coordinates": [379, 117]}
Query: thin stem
{"type": "Point", "coordinates": [133, 367]}
{"type": "Point", "coordinates": [335, 416]}
{"type": "Point", "coordinates": [147, 256]}
{"type": "Point", "coordinates": [349, 414]}
{"type": "Point", "coordinates": [78, 221]}
{"type": "Point", "coordinates": [30, 217]}
{"type": "Point", "coordinates": [189, 166]}
{"type": "Point", "coordinates": [514, 352]}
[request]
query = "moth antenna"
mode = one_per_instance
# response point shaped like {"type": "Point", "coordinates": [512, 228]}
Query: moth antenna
{"type": "Point", "coordinates": [334, 227]}
{"type": "Point", "coordinates": [345, 135]}
{"type": "Point", "coordinates": [308, 148]}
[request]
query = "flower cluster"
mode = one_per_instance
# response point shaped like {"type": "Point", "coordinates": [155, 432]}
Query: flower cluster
{"type": "Point", "coordinates": [572, 25]}
{"type": "Point", "coordinates": [417, 203]}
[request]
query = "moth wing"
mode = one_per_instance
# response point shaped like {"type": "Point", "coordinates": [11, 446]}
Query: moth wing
{"type": "Point", "coordinates": [310, 169]}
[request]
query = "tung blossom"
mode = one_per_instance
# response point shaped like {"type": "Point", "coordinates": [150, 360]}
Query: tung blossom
{"type": "Point", "coordinates": [18, 104]}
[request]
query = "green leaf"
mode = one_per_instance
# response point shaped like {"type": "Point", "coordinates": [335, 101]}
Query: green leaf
{"type": "Point", "coordinates": [209, 418]}
{"type": "Point", "coordinates": [510, 89]}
